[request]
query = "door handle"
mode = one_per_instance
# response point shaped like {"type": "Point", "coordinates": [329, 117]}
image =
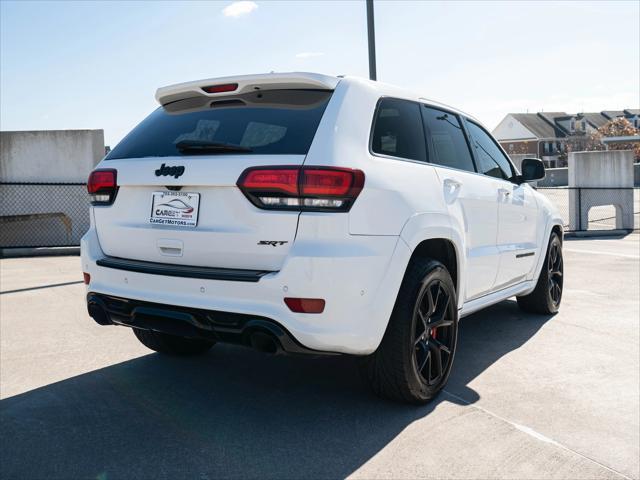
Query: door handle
{"type": "Point", "coordinates": [504, 193]}
{"type": "Point", "coordinates": [454, 184]}
{"type": "Point", "coordinates": [170, 247]}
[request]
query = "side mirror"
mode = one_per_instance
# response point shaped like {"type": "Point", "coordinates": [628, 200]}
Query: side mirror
{"type": "Point", "coordinates": [532, 170]}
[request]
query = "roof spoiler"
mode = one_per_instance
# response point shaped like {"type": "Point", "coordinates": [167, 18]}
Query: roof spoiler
{"type": "Point", "coordinates": [215, 87]}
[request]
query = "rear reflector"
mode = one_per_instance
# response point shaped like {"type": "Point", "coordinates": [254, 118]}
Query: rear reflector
{"type": "Point", "coordinates": [226, 87]}
{"type": "Point", "coordinates": [86, 277]}
{"type": "Point", "coordinates": [102, 186]}
{"type": "Point", "coordinates": [302, 188]}
{"type": "Point", "coordinates": [305, 305]}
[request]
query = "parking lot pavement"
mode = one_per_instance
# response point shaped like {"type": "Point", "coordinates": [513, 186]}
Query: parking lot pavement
{"type": "Point", "coordinates": [529, 397]}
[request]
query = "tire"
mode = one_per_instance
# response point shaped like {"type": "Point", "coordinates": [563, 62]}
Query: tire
{"type": "Point", "coordinates": [171, 344]}
{"type": "Point", "coordinates": [546, 297]}
{"type": "Point", "coordinates": [427, 297]}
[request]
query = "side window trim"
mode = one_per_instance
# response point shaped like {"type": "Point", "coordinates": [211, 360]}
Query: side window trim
{"type": "Point", "coordinates": [472, 148]}
{"type": "Point", "coordinates": [513, 168]}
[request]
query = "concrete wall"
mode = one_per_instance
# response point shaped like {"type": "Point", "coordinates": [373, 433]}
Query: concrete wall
{"type": "Point", "coordinates": [604, 178]}
{"type": "Point", "coordinates": [609, 168]}
{"type": "Point", "coordinates": [46, 215]}
{"type": "Point", "coordinates": [559, 177]}
{"type": "Point", "coordinates": [555, 177]}
{"type": "Point", "coordinates": [49, 155]}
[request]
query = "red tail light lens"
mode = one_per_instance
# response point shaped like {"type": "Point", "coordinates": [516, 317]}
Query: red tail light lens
{"type": "Point", "coordinates": [227, 87]}
{"type": "Point", "coordinates": [305, 305]}
{"type": "Point", "coordinates": [302, 188]}
{"type": "Point", "coordinates": [102, 186]}
{"type": "Point", "coordinates": [284, 180]}
{"type": "Point", "coordinates": [324, 182]}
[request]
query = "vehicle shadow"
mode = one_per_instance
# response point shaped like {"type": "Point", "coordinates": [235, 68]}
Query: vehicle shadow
{"type": "Point", "coordinates": [233, 413]}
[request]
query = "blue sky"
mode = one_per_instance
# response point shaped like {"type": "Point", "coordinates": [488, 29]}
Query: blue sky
{"type": "Point", "coordinates": [97, 64]}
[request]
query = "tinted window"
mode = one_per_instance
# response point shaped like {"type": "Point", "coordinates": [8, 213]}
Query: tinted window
{"type": "Point", "coordinates": [447, 144]}
{"type": "Point", "coordinates": [267, 122]}
{"type": "Point", "coordinates": [491, 160]}
{"type": "Point", "coordinates": [398, 130]}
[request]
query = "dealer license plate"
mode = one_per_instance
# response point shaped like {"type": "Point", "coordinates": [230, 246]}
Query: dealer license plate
{"type": "Point", "coordinates": [179, 209]}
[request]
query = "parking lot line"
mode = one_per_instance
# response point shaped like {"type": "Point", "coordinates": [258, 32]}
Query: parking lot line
{"type": "Point", "coordinates": [533, 433]}
{"type": "Point", "coordinates": [597, 252]}
{"type": "Point", "coordinates": [39, 287]}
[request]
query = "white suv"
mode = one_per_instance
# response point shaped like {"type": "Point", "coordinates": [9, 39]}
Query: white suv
{"type": "Point", "coordinates": [305, 213]}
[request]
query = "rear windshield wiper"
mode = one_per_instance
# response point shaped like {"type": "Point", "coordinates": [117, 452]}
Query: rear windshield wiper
{"type": "Point", "coordinates": [204, 147]}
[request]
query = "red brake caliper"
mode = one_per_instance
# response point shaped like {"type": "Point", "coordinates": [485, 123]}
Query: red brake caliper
{"type": "Point", "coordinates": [433, 333]}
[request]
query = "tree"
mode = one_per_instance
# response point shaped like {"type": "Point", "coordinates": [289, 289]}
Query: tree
{"type": "Point", "coordinates": [618, 127]}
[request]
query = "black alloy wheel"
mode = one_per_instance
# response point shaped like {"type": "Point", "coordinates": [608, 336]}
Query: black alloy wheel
{"type": "Point", "coordinates": [414, 359]}
{"type": "Point", "coordinates": [554, 268]}
{"type": "Point", "coordinates": [546, 296]}
{"type": "Point", "coordinates": [434, 332]}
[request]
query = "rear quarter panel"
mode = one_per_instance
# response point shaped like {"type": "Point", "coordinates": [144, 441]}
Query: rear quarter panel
{"type": "Point", "coordinates": [394, 189]}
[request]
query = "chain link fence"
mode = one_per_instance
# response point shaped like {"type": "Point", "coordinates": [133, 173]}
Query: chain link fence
{"type": "Point", "coordinates": [43, 214]}
{"type": "Point", "coordinates": [596, 208]}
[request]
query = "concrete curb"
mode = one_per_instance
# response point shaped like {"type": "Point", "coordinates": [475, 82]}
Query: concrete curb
{"type": "Point", "coordinates": [600, 233]}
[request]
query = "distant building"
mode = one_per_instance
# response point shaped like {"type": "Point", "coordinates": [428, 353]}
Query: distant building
{"type": "Point", "coordinates": [545, 134]}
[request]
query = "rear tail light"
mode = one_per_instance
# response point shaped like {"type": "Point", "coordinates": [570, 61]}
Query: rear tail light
{"type": "Point", "coordinates": [86, 277]}
{"type": "Point", "coordinates": [302, 188]}
{"type": "Point", "coordinates": [102, 186]}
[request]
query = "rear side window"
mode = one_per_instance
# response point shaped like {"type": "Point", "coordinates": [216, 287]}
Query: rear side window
{"type": "Point", "coordinates": [262, 123]}
{"type": "Point", "coordinates": [491, 160]}
{"type": "Point", "coordinates": [447, 144]}
{"type": "Point", "coordinates": [397, 130]}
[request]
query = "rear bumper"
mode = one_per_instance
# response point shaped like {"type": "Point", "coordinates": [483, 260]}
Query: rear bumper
{"type": "Point", "coordinates": [358, 277]}
{"type": "Point", "coordinates": [230, 274]}
{"type": "Point", "coordinates": [249, 330]}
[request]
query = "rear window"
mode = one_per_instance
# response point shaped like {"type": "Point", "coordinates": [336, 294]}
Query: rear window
{"type": "Point", "coordinates": [260, 123]}
{"type": "Point", "coordinates": [397, 130]}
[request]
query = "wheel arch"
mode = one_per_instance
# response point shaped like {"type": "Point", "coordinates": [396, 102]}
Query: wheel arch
{"type": "Point", "coordinates": [442, 250]}
{"type": "Point", "coordinates": [559, 230]}
{"type": "Point", "coordinates": [432, 236]}
{"type": "Point", "coordinates": [554, 226]}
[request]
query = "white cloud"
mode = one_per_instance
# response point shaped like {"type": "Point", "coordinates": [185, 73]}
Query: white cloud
{"type": "Point", "coordinates": [309, 54]}
{"type": "Point", "coordinates": [237, 9]}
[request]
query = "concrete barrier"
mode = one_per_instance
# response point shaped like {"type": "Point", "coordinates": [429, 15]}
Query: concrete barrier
{"type": "Point", "coordinates": [49, 155]}
{"type": "Point", "coordinates": [601, 178]}
{"type": "Point", "coordinates": [555, 177]}
{"type": "Point", "coordinates": [53, 214]}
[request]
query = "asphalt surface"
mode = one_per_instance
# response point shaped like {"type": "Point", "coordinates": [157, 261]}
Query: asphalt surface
{"type": "Point", "coordinates": [529, 397]}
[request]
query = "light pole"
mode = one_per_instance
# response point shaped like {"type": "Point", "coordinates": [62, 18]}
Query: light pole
{"type": "Point", "coordinates": [371, 40]}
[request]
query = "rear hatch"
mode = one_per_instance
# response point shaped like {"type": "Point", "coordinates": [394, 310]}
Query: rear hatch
{"type": "Point", "coordinates": [177, 201]}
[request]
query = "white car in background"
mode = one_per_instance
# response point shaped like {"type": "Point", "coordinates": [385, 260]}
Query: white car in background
{"type": "Point", "coordinates": [305, 213]}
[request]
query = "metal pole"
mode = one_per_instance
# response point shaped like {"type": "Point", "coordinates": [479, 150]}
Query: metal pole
{"type": "Point", "coordinates": [580, 209]}
{"type": "Point", "coordinates": [372, 41]}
